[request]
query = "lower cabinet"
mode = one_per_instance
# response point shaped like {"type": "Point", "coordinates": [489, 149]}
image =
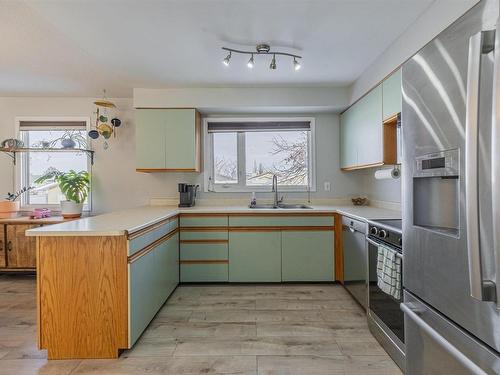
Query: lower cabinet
{"type": "Point", "coordinates": [255, 256]}
{"type": "Point", "coordinates": [204, 253]}
{"type": "Point", "coordinates": [152, 277]}
{"type": "Point", "coordinates": [16, 249]}
{"type": "Point", "coordinates": [307, 256]}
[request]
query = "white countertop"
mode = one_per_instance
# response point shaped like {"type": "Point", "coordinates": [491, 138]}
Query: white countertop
{"type": "Point", "coordinates": [120, 223]}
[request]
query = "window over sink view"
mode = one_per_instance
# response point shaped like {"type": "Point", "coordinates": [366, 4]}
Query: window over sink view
{"type": "Point", "coordinates": [245, 154]}
{"type": "Point", "coordinates": [278, 187]}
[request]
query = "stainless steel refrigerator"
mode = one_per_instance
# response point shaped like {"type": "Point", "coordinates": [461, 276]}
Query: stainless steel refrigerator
{"type": "Point", "coordinates": [451, 199]}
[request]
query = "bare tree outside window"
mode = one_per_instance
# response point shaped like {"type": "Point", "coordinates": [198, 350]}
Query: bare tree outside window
{"type": "Point", "coordinates": [284, 153]}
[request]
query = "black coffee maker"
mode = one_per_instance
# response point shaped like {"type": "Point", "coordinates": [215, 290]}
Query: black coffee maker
{"type": "Point", "coordinates": [187, 195]}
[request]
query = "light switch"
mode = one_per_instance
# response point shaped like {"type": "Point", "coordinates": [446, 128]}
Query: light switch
{"type": "Point", "coordinates": [327, 186]}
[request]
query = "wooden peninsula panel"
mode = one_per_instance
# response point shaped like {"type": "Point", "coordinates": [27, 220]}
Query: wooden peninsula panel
{"type": "Point", "coordinates": [82, 296]}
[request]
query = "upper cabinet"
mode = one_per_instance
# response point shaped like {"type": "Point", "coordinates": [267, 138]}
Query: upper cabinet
{"type": "Point", "coordinates": [168, 140]}
{"type": "Point", "coordinates": [368, 128]}
{"type": "Point", "coordinates": [392, 98]}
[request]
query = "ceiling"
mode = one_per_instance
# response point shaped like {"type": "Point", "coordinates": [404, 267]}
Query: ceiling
{"type": "Point", "coordinates": [78, 47]}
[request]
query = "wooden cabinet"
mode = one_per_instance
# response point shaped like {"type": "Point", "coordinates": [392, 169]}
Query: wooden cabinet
{"type": "Point", "coordinates": [3, 256]}
{"type": "Point", "coordinates": [307, 255]}
{"type": "Point", "coordinates": [255, 256]}
{"type": "Point", "coordinates": [168, 140]}
{"type": "Point", "coordinates": [392, 95]}
{"type": "Point", "coordinates": [366, 138]}
{"type": "Point", "coordinates": [17, 251]}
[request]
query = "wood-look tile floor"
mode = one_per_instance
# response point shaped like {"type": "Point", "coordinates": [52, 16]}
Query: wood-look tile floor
{"type": "Point", "coordinates": [309, 329]}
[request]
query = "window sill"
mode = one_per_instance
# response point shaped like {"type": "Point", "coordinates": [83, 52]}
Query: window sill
{"type": "Point", "coordinates": [258, 190]}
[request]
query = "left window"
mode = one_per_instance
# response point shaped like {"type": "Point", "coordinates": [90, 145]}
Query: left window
{"type": "Point", "coordinates": [41, 138]}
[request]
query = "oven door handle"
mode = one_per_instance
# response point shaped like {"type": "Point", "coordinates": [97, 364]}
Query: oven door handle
{"type": "Point", "coordinates": [440, 340]}
{"type": "Point", "coordinates": [374, 243]}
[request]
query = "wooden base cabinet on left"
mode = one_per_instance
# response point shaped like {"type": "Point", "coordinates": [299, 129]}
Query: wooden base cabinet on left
{"type": "Point", "coordinates": [17, 252]}
{"type": "Point", "coordinates": [94, 298]}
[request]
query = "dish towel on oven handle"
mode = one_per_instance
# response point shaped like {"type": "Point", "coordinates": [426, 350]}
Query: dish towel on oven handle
{"type": "Point", "coordinates": [389, 271]}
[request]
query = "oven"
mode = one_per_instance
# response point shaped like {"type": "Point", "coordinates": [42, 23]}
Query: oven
{"type": "Point", "coordinates": [386, 319]}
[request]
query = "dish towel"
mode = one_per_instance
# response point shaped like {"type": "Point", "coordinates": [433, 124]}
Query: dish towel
{"type": "Point", "coordinates": [389, 272]}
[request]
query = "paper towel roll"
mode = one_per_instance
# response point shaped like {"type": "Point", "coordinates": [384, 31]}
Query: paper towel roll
{"type": "Point", "coordinates": [385, 174]}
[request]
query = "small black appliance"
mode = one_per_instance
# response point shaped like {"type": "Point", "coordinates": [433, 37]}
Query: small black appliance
{"type": "Point", "coordinates": [187, 195]}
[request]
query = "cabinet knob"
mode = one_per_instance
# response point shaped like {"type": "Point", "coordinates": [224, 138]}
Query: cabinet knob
{"type": "Point", "coordinates": [9, 246]}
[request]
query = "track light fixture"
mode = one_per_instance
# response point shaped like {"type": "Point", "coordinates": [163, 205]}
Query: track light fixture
{"type": "Point", "coordinates": [226, 59]}
{"type": "Point", "coordinates": [273, 63]}
{"type": "Point", "coordinates": [262, 49]}
{"type": "Point", "coordinates": [250, 62]}
{"type": "Point", "coordinates": [296, 64]}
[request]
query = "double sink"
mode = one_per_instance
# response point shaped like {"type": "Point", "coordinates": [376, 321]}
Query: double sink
{"type": "Point", "coordinates": [281, 205]}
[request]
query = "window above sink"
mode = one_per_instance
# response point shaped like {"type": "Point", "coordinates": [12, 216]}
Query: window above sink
{"type": "Point", "coordinates": [243, 154]}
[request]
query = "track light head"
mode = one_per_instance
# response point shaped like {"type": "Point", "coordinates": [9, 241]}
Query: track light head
{"type": "Point", "coordinates": [226, 59]}
{"type": "Point", "coordinates": [296, 64]}
{"type": "Point", "coordinates": [273, 63]}
{"type": "Point", "coordinates": [250, 62]}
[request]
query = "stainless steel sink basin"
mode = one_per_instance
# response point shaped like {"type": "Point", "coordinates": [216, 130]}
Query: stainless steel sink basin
{"type": "Point", "coordinates": [294, 206]}
{"type": "Point", "coordinates": [281, 205]}
{"type": "Point", "coordinates": [263, 206]}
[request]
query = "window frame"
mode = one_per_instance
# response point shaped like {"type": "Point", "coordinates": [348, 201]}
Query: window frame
{"type": "Point", "coordinates": [18, 168]}
{"type": "Point", "coordinates": [241, 187]}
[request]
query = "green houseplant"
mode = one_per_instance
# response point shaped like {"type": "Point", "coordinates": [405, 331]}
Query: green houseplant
{"type": "Point", "coordinates": [74, 185]}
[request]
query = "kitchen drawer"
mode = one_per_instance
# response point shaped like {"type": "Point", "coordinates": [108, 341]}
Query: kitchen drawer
{"type": "Point", "coordinates": [138, 243]}
{"type": "Point", "coordinates": [215, 272]}
{"type": "Point", "coordinates": [204, 251]}
{"type": "Point", "coordinates": [204, 235]}
{"type": "Point", "coordinates": [174, 223]}
{"type": "Point", "coordinates": [203, 221]}
{"type": "Point", "coordinates": [280, 220]}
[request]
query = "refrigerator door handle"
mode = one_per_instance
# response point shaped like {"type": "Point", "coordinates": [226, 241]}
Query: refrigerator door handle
{"type": "Point", "coordinates": [495, 159]}
{"type": "Point", "coordinates": [445, 344]}
{"type": "Point", "coordinates": [471, 169]}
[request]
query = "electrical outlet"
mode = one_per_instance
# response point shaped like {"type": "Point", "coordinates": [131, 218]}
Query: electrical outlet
{"type": "Point", "coordinates": [327, 186]}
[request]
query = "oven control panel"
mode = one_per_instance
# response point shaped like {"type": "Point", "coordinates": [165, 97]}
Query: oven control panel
{"type": "Point", "coordinates": [391, 237]}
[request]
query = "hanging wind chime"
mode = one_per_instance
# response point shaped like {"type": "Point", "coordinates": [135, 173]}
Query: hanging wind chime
{"type": "Point", "coordinates": [103, 127]}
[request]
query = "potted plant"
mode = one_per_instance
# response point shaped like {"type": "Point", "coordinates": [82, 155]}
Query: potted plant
{"type": "Point", "coordinates": [74, 185]}
{"type": "Point", "coordinates": [11, 205]}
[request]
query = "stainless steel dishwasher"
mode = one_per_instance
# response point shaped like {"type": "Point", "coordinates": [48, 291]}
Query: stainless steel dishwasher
{"type": "Point", "coordinates": [355, 258]}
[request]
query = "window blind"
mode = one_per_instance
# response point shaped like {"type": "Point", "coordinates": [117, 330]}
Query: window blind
{"type": "Point", "coordinates": [257, 126]}
{"type": "Point", "coordinates": [52, 125]}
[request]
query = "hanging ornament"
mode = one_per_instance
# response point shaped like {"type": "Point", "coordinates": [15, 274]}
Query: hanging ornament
{"type": "Point", "coordinates": [102, 126]}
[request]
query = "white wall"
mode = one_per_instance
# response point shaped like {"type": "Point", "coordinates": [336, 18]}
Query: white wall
{"type": "Point", "coordinates": [439, 15]}
{"type": "Point", "coordinates": [117, 185]}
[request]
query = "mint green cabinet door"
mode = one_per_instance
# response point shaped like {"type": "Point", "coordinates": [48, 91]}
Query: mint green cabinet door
{"type": "Point", "coordinates": [150, 138]}
{"type": "Point", "coordinates": [255, 256]}
{"type": "Point", "coordinates": [144, 297]}
{"type": "Point", "coordinates": [348, 138]}
{"type": "Point", "coordinates": [172, 265]}
{"type": "Point", "coordinates": [392, 97]}
{"type": "Point", "coordinates": [181, 139]}
{"type": "Point", "coordinates": [369, 128]}
{"type": "Point", "coordinates": [307, 256]}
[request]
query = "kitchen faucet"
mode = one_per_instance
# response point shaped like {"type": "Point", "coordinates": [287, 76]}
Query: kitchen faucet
{"type": "Point", "coordinates": [277, 201]}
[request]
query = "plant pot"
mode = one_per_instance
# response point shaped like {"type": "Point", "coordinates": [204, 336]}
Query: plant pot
{"type": "Point", "coordinates": [70, 209]}
{"type": "Point", "coordinates": [9, 209]}
{"type": "Point", "coordinates": [68, 143]}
